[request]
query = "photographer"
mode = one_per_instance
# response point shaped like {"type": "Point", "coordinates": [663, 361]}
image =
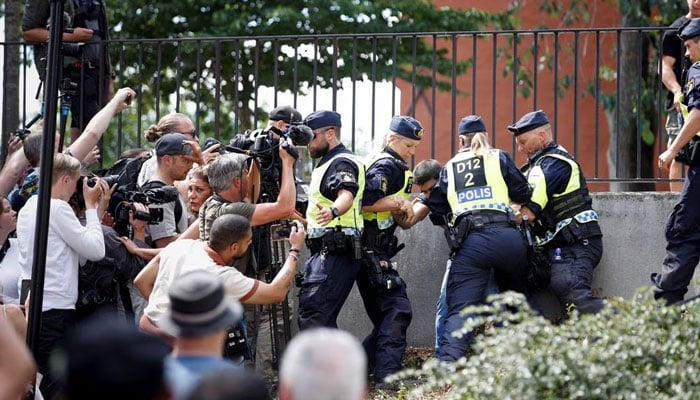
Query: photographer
{"type": "Point", "coordinates": [70, 244]}
{"type": "Point", "coordinates": [86, 65]}
{"type": "Point", "coordinates": [175, 156]}
{"type": "Point", "coordinates": [82, 148]}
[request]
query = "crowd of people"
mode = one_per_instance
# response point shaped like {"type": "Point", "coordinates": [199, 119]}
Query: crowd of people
{"type": "Point", "coordinates": [162, 282]}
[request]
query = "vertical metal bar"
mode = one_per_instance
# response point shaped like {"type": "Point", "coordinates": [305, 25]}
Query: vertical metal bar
{"type": "Point", "coordinates": [374, 90]}
{"type": "Point", "coordinates": [453, 101]}
{"type": "Point", "coordinates": [295, 73]}
{"type": "Point", "coordinates": [515, 83]}
{"type": "Point", "coordinates": [640, 105]}
{"type": "Point", "coordinates": [334, 79]}
{"type": "Point", "coordinates": [617, 108]}
{"type": "Point", "coordinates": [433, 100]}
{"type": "Point", "coordinates": [238, 77]}
{"type": "Point", "coordinates": [597, 103]}
{"type": "Point", "coordinates": [394, 58]}
{"type": "Point", "coordinates": [139, 105]}
{"type": "Point", "coordinates": [159, 69]}
{"type": "Point", "coordinates": [576, 91]}
{"type": "Point", "coordinates": [353, 77]}
{"type": "Point", "coordinates": [494, 92]}
{"type": "Point", "coordinates": [198, 85]}
{"type": "Point", "coordinates": [535, 60]}
{"type": "Point", "coordinates": [314, 74]}
{"type": "Point", "coordinates": [275, 71]}
{"type": "Point", "coordinates": [178, 75]}
{"type": "Point", "coordinates": [555, 112]}
{"type": "Point", "coordinates": [256, 79]}
{"type": "Point", "coordinates": [217, 90]}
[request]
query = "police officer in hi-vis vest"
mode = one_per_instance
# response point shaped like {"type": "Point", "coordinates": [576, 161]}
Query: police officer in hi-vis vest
{"type": "Point", "coordinates": [334, 224]}
{"type": "Point", "coordinates": [565, 223]}
{"type": "Point", "coordinates": [682, 233]}
{"type": "Point", "coordinates": [388, 191]}
{"type": "Point", "coordinates": [474, 194]}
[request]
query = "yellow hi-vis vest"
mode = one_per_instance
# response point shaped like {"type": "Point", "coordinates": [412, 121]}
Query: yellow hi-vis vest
{"type": "Point", "coordinates": [684, 113]}
{"type": "Point", "coordinates": [476, 183]}
{"type": "Point", "coordinates": [351, 221]}
{"type": "Point", "coordinates": [384, 218]}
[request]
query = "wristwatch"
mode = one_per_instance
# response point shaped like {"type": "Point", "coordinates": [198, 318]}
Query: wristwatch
{"type": "Point", "coordinates": [335, 212]}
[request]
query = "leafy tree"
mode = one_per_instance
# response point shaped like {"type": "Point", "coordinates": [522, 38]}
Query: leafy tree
{"type": "Point", "coordinates": [630, 150]}
{"type": "Point", "coordinates": [277, 44]}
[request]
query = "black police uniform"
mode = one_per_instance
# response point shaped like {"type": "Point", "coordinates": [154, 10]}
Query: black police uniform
{"type": "Point", "coordinates": [384, 296]}
{"type": "Point", "coordinates": [493, 242]}
{"type": "Point", "coordinates": [329, 275]}
{"type": "Point", "coordinates": [566, 225]}
{"type": "Point", "coordinates": [682, 235]}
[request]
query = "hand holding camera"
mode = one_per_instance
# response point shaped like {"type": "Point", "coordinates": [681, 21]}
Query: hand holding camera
{"type": "Point", "coordinates": [297, 235]}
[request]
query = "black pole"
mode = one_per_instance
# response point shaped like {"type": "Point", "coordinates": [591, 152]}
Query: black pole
{"type": "Point", "coordinates": [53, 69]}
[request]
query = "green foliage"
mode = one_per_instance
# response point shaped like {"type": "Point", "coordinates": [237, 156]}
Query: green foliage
{"type": "Point", "coordinates": [231, 49]}
{"type": "Point", "coordinates": [632, 349]}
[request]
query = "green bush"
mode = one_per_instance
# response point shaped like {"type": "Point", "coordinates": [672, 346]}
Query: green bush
{"type": "Point", "coordinates": [633, 349]}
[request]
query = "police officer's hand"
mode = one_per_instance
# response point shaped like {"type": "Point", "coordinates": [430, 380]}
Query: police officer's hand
{"type": "Point", "coordinates": [297, 235]}
{"type": "Point", "coordinates": [665, 158]}
{"type": "Point", "coordinates": [324, 215]}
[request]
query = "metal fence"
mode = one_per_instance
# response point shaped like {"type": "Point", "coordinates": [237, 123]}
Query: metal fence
{"type": "Point", "coordinates": [600, 87]}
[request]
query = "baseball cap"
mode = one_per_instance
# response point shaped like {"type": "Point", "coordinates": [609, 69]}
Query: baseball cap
{"type": "Point", "coordinates": [173, 144]}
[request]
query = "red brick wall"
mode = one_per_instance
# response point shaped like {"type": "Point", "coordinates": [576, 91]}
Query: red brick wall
{"type": "Point", "coordinates": [482, 93]}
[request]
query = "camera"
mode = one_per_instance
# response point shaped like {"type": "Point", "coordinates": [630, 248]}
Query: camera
{"type": "Point", "coordinates": [122, 203]}
{"type": "Point", "coordinates": [72, 49]}
{"type": "Point", "coordinates": [281, 231]}
{"type": "Point", "coordinates": [264, 144]}
{"type": "Point", "coordinates": [21, 133]}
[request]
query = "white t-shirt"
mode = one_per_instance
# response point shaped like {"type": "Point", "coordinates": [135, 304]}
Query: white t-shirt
{"type": "Point", "coordinates": [69, 245]}
{"type": "Point", "coordinates": [187, 255]}
{"type": "Point", "coordinates": [9, 274]}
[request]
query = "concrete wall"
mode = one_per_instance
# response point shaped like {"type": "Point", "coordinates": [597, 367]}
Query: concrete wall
{"type": "Point", "coordinates": [634, 246]}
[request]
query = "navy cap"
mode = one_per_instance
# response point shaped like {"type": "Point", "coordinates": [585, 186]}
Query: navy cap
{"type": "Point", "coordinates": [319, 119]}
{"type": "Point", "coordinates": [285, 113]}
{"type": "Point", "coordinates": [690, 30]}
{"type": "Point", "coordinates": [173, 144]}
{"type": "Point", "coordinates": [407, 127]}
{"type": "Point", "coordinates": [528, 122]}
{"type": "Point", "coordinates": [471, 124]}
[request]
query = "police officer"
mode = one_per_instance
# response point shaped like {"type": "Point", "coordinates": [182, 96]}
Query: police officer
{"type": "Point", "coordinates": [473, 195]}
{"type": "Point", "coordinates": [334, 224]}
{"type": "Point", "coordinates": [565, 223]}
{"type": "Point", "coordinates": [388, 190]}
{"type": "Point", "coordinates": [682, 235]}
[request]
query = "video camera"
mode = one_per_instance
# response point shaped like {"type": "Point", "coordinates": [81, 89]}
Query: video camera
{"type": "Point", "coordinates": [122, 203]}
{"type": "Point", "coordinates": [264, 144]}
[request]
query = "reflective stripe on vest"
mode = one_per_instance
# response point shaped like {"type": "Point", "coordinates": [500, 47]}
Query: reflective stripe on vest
{"type": "Point", "coordinates": [476, 183]}
{"type": "Point", "coordinates": [384, 218]}
{"type": "Point", "coordinates": [352, 218]}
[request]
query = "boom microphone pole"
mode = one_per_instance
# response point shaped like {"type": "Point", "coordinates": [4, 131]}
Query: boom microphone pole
{"type": "Point", "coordinates": [53, 69]}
